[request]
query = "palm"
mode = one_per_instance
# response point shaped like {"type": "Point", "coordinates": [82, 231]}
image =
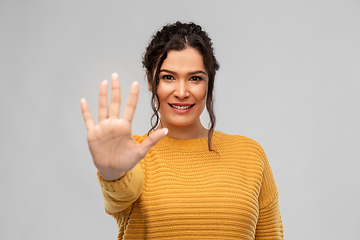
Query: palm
{"type": "Point", "coordinates": [111, 143]}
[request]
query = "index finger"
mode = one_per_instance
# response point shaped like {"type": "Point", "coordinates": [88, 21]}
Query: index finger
{"type": "Point", "coordinates": [131, 102]}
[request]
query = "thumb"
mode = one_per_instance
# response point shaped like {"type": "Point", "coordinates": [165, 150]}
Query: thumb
{"type": "Point", "coordinates": [153, 138]}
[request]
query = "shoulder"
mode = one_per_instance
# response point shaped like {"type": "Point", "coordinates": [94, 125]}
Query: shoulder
{"type": "Point", "coordinates": [237, 143]}
{"type": "Point", "coordinates": [234, 139]}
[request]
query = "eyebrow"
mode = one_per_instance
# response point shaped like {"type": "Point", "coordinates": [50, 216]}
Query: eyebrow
{"type": "Point", "coordinates": [190, 73]}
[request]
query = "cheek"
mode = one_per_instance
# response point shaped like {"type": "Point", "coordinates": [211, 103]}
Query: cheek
{"type": "Point", "coordinates": [201, 93]}
{"type": "Point", "coordinates": [164, 90]}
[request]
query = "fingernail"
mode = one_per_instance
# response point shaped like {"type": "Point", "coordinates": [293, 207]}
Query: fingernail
{"type": "Point", "coordinates": [165, 130]}
{"type": "Point", "coordinates": [114, 75]}
{"type": "Point", "coordinates": [83, 100]}
{"type": "Point", "coordinates": [136, 83]}
{"type": "Point", "coordinates": [105, 81]}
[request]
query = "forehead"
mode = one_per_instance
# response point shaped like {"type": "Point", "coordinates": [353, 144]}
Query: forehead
{"type": "Point", "coordinates": [186, 60]}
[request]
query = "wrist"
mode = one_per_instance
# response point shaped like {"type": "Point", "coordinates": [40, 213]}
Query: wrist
{"type": "Point", "coordinates": [111, 177]}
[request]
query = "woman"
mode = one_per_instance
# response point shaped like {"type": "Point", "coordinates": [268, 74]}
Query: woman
{"type": "Point", "coordinates": [194, 182]}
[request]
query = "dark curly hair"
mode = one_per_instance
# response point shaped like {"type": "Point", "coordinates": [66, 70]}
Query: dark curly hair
{"type": "Point", "coordinates": [178, 36]}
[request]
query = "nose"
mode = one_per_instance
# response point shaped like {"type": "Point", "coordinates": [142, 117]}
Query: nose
{"type": "Point", "coordinates": [181, 90]}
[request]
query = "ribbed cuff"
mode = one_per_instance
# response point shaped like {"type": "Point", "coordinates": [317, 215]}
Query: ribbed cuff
{"type": "Point", "coordinates": [132, 180]}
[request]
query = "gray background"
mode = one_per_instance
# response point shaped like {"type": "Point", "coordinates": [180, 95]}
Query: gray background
{"type": "Point", "coordinates": [289, 78]}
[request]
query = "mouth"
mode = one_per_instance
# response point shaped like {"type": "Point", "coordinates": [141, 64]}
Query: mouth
{"type": "Point", "coordinates": [181, 107]}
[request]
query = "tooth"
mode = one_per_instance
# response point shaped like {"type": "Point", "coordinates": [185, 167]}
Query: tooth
{"type": "Point", "coordinates": [181, 107]}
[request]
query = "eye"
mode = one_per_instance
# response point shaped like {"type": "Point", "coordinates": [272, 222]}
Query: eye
{"type": "Point", "coordinates": [167, 77]}
{"type": "Point", "coordinates": [196, 78]}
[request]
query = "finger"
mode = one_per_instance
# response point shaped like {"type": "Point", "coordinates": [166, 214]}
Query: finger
{"type": "Point", "coordinates": [115, 96]}
{"type": "Point", "coordinates": [89, 121]}
{"type": "Point", "coordinates": [131, 102]}
{"type": "Point", "coordinates": [103, 102]}
{"type": "Point", "coordinates": [153, 138]}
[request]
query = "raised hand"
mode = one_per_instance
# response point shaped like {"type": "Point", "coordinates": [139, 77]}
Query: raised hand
{"type": "Point", "coordinates": [112, 146]}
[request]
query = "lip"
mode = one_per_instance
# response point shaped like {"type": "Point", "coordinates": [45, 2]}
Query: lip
{"type": "Point", "coordinates": [181, 111]}
{"type": "Point", "coordinates": [181, 104]}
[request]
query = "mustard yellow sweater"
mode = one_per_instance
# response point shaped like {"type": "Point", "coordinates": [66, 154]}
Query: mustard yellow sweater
{"type": "Point", "coordinates": [181, 190]}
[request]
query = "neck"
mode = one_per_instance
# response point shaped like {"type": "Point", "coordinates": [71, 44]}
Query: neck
{"type": "Point", "coordinates": [194, 131]}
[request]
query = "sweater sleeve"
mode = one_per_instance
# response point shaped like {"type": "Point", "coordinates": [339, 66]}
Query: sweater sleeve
{"type": "Point", "coordinates": [269, 225]}
{"type": "Point", "coordinates": [120, 194]}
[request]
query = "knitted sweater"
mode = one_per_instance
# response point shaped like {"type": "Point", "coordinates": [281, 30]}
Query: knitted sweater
{"type": "Point", "coordinates": [181, 190]}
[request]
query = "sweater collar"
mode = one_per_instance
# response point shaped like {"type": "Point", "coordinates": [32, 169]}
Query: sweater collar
{"type": "Point", "coordinates": [199, 144]}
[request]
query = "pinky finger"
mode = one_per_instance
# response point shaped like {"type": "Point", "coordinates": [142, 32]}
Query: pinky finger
{"type": "Point", "coordinates": [89, 121]}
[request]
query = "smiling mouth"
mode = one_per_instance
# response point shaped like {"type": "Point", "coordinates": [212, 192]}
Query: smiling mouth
{"type": "Point", "coordinates": [181, 107]}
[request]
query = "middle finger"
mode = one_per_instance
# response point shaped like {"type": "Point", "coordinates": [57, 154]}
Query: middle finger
{"type": "Point", "coordinates": [115, 101]}
{"type": "Point", "coordinates": [103, 102]}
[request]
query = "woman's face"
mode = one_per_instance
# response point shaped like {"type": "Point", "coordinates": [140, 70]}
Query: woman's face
{"type": "Point", "coordinates": [182, 89]}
